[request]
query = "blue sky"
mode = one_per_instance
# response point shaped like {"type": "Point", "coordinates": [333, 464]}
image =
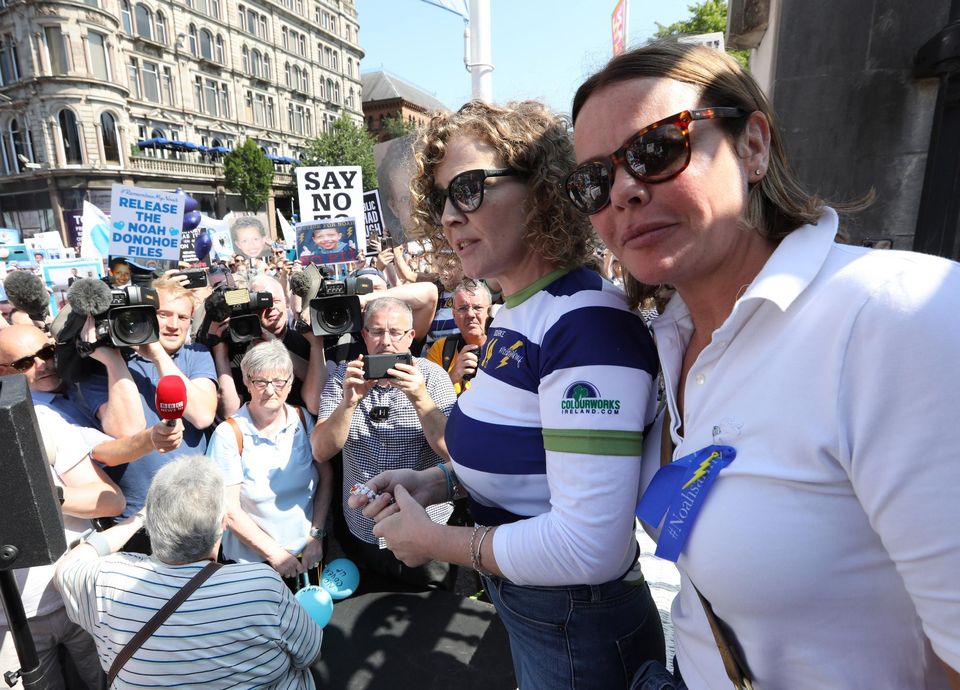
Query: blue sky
{"type": "Point", "coordinates": [541, 49]}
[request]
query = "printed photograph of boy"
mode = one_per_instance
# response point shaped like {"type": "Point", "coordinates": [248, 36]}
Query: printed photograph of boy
{"type": "Point", "coordinates": [327, 242]}
{"type": "Point", "coordinates": [250, 239]}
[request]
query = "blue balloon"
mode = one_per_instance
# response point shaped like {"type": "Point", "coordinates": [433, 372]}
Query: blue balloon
{"type": "Point", "coordinates": [340, 578]}
{"type": "Point", "coordinates": [317, 602]}
{"type": "Point", "coordinates": [202, 245]}
{"type": "Point", "coordinates": [191, 220]}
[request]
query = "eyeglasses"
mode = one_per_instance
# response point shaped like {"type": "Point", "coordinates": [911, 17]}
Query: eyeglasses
{"type": "Point", "coordinates": [465, 192]}
{"type": "Point", "coordinates": [261, 384]}
{"type": "Point", "coordinates": [656, 153]}
{"type": "Point", "coordinates": [467, 308]}
{"type": "Point", "coordinates": [24, 364]}
{"type": "Point", "coordinates": [394, 334]}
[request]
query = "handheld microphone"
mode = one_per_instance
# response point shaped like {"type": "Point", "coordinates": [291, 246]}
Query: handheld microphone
{"type": "Point", "coordinates": [26, 292]}
{"type": "Point", "coordinates": [171, 399]}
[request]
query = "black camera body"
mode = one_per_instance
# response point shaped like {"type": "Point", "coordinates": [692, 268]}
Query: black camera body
{"type": "Point", "coordinates": [376, 366]}
{"type": "Point", "coordinates": [131, 318]}
{"type": "Point", "coordinates": [336, 308]}
{"type": "Point", "coordinates": [242, 307]}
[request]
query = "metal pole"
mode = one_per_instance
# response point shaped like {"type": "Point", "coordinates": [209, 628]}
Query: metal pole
{"type": "Point", "coordinates": [22, 639]}
{"type": "Point", "coordinates": [481, 65]}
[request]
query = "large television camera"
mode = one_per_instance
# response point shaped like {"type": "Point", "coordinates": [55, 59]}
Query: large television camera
{"type": "Point", "coordinates": [241, 306]}
{"type": "Point", "coordinates": [336, 308]}
{"type": "Point", "coordinates": [131, 318]}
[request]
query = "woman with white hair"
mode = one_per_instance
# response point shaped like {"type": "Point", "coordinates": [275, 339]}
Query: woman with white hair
{"type": "Point", "coordinates": [262, 637]}
{"type": "Point", "coordinates": [277, 496]}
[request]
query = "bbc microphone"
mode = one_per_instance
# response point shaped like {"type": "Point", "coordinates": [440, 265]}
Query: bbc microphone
{"type": "Point", "coordinates": [171, 399]}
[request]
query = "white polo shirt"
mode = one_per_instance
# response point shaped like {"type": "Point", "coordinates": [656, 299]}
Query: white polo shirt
{"type": "Point", "coordinates": [831, 544]}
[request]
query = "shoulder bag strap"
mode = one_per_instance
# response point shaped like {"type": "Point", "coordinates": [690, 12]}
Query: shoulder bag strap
{"type": "Point", "coordinates": [236, 432]}
{"type": "Point", "coordinates": [303, 421]}
{"type": "Point", "coordinates": [451, 346]}
{"type": "Point", "coordinates": [733, 662]}
{"type": "Point", "coordinates": [158, 619]}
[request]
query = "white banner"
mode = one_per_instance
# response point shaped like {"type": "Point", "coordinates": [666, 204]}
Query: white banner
{"type": "Point", "coordinates": [332, 193]}
{"type": "Point", "coordinates": [145, 223]}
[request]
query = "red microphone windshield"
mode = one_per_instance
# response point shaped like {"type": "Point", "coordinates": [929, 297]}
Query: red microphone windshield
{"type": "Point", "coordinates": [171, 397]}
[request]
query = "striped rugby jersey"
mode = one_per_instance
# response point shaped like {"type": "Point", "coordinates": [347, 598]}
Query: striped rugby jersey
{"type": "Point", "coordinates": [567, 368]}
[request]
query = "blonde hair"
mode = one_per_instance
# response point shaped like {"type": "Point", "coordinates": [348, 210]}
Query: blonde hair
{"type": "Point", "coordinates": [528, 138]}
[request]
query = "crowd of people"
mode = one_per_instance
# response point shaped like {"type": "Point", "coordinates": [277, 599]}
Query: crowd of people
{"type": "Point", "coordinates": [650, 318]}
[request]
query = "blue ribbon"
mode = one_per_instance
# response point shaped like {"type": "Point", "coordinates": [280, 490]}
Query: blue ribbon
{"type": "Point", "coordinates": [677, 492]}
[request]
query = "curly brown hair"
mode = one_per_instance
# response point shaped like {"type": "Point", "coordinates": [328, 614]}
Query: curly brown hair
{"type": "Point", "coordinates": [530, 139]}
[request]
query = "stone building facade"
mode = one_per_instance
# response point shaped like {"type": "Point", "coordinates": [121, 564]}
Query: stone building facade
{"type": "Point", "coordinates": [82, 81]}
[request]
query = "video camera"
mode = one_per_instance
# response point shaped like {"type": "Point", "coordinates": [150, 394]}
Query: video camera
{"type": "Point", "coordinates": [131, 318]}
{"type": "Point", "coordinates": [241, 306]}
{"type": "Point", "coordinates": [336, 308]}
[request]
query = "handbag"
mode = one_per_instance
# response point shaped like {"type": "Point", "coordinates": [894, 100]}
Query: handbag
{"type": "Point", "coordinates": [151, 626]}
{"type": "Point", "coordinates": [734, 664]}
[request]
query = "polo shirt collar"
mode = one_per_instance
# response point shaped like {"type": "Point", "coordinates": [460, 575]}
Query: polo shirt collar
{"type": "Point", "coordinates": [790, 269]}
{"type": "Point", "coordinates": [243, 414]}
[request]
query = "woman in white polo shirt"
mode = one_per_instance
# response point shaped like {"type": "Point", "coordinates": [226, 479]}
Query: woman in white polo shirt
{"type": "Point", "coordinates": [809, 480]}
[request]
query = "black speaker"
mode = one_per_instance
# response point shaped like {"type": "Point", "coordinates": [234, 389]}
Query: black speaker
{"type": "Point", "coordinates": [31, 528]}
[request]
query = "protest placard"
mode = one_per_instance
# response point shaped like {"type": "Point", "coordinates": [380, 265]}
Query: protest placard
{"type": "Point", "coordinates": [326, 192]}
{"type": "Point", "coordinates": [327, 241]}
{"type": "Point", "coordinates": [373, 221]}
{"type": "Point", "coordinates": [145, 223]}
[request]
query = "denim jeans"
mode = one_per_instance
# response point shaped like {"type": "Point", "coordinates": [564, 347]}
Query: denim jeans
{"type": "Point", "coordinates": [654, 676]}
{"type": "Point", "coordinates": [578, 637]}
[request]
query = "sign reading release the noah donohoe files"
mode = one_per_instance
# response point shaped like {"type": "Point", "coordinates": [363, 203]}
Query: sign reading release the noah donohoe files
{"type": "Point", "coordinates": [145, 223]}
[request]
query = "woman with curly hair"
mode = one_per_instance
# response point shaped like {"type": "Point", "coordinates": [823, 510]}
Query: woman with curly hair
{"type": "Point", "coordinates": [546, 443]}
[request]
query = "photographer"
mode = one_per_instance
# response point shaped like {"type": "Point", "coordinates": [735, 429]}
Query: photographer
{"type": "Point", "coordinates": [396, 421]}
{"type": "Point", "coordinates": [459, 354]}
{"type": "Point", "coordinates": [146, 364]}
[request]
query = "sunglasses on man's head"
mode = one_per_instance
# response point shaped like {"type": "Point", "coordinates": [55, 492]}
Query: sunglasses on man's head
{"type": "Point", "coordinates": [465, 192]}
{"type": "Point", "coordinates": [23, 364]}
{"type": "Point", "coordinates": [656, 153]}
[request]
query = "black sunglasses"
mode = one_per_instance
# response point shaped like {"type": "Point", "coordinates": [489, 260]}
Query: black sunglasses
{"type": "Point", "coordinates": [465, 192]}
{"type": "Point", "coordinates": [23, 364]}
{"type": "Point", "coordinates": [656, 153]}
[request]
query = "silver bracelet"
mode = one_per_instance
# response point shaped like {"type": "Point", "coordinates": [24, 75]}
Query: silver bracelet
{"type": "Point", "coordinates": [478, 560]}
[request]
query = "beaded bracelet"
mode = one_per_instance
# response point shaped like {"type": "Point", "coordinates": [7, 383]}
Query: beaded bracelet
{"type": "Point", "coordinates": [474, 562]}
{"type": "Point", "coordinates": [447, 475]}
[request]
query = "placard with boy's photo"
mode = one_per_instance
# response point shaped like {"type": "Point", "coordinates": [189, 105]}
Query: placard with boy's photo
{"type": "Point", "coordinates": [331, 241]}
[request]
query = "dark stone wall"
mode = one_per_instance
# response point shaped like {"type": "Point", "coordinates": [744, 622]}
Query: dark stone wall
{"type": "Point", "coordinates": [853, 115]}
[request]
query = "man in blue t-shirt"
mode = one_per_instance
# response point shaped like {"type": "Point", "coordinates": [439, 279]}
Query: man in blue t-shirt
{"type": "Point", "coordinates": [107, 398]}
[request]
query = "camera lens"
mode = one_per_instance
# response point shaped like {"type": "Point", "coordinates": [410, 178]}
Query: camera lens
{"type": "Point", "coordinates": [134, 326]}
{"type": "Point", "coordinates": [335, 317]}
{"type": "Point", "coordinates": [245, 328]}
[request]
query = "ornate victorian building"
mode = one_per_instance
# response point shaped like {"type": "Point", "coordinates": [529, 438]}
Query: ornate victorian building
{"type": "Point", "coordinates": [82, 82]}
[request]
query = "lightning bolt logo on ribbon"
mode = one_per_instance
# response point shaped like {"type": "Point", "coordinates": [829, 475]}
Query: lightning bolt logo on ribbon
{"type": "Point", "coordinates": [677, 493]}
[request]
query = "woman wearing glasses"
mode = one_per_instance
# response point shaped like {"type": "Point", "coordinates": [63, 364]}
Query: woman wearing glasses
{"type": "Point", "coordinates": [546, 442]}
{"type": "Point", "coordinates": [277, 495]}
{"type": "Point", "coordinates": [817, 384]}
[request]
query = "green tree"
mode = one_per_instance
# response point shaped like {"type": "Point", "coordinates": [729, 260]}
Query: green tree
{"type": "Point", "coordinates": [705, 17]}
{"type": "Point", "coordinates": [395, 126]}
{"type": "Point", "coordinates": [347, 143]}
{"type": "Point", "coordinates": [248, 172]}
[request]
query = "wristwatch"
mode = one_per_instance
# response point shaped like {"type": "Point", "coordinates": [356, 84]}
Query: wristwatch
{"type": "Point", "coordinates": [318, 532]}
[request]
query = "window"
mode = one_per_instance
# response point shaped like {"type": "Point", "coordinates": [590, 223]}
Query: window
{"type": "Point", "coordinates": [70, 136]}
{"type": "Point", "coordinates": [18, 148]}
{"type": "Point", "coordinates": [336, 59]}
{"type": "Point", "coordinates": [206, 45]}
{"type": "Point", "coordinates": [224, 97]}
{"type": "Point", "coordinates": [245, 59]}
{"type": "Point", "coordinates": [99, 65]}
{"type": "Point", "coordinates": [9, 65]}
{"type": "Point", "coordinates": [133, 76]}
{"type": "Point", "coordinates": [243, 16]}
{"type": "Point", "coordinates": [192, 34]}
{"type": "Point", "coordinates": [56, 50]}
{"type": "Point", "coordinates": [161, 28]}
{"type": "Point", "coordinates": [215, 9]}
{"type": "Point", "coordinates": [266, 66]}
{"type": "Point", "coordinates": [256, 63]}
{"type": "Point", "coordinates": [298, 119]}
{"type": "Point", "coordinates": [125, 17]}
{"type": "Point", "coordinates": [201, 6]}
{"type": "Point", "coordinates": [350, 98]}
{"type": "Point", "coordinates": [218, 52]}
{"type": "Point", "coordinates": [211, 96]}
{"type": "Point", "coordinates": [111, 143]}
{"type": "Point", "coordinates": [287, 78]}
{"type": "Point", "coordinates": [303, 80]}
{"type": "Point", "coordinates": [144, 18]}
{"type": "Point", "coordinates": [168, 86]}
{"type": "Point", "coordinates": [322, 91]}
{"type": "Point", "coordinates": [285, 38]}
{"type": "Point", "coordinates": [151, 82]}
{"type": "Point", "coordinates": [336, 92]}
{"type": "Point", "coordinates": [317, 14]}
{"type": "Point", "coordinates": [329, 89]}
{"type": "Point", "coordinates": [349, 67]}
